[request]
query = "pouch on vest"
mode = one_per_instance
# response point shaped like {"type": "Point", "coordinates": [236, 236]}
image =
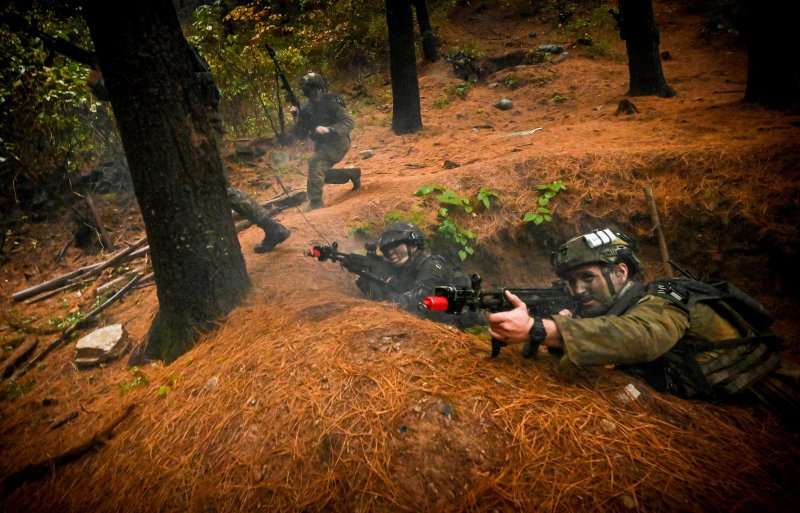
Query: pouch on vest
{"type": "Point", "coordinates": [714, 368]}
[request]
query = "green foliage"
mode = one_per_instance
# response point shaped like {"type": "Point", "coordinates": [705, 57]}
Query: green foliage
{"type": "Point", "coordinates": [441, 102]}
{"type": "Point", "coordinates": [14, 390]}
{"type": "Point", "coordinates": [50, 123]}
{"type": "Point", "coordinates": [460, 90]}
{"type": "Point", "coordinates": [486, 196]}
{"type": "Point", "coordinates": [557, 98]}
{"type": "Point", "coordinates": [138, 380]}
{"type": "Point", "coordinates": [164, 390]}
{"type": "Point", "coordinates": [65, 322]}
{"type": "Point", "coordinates": [363, 230]}
{"type": "Point", "coordinates": [471, 50]}
{"type": "Point", "coordinates": [448, 228]}
{"type": "Point", "coordinates": [542, 213]}
{"type": "Point", "coordinates": [511, 81]}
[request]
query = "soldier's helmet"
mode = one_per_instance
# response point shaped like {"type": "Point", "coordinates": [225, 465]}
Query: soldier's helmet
{"type": "Point", "coordinates": [400, 232]}
{"type": "Point", "coordinates": [601, 247]}
{"type": "Point", "coordinates": [311, 81]}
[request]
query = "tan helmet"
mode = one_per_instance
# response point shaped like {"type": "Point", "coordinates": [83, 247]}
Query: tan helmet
{"type": "Point", "coordinates": [311, 81]}
{"type": "Point", "coordinates": [598, 247]}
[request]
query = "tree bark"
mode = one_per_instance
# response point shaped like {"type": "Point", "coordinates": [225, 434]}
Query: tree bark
{"type": "Point", "coordinates": [773, 68]}
{"type": "Point", "coordinates": [637, 27]}
{"type": "Point", "coordinates": [406, 117]}
{"type": "Point", "coordinates": [426, 31]}
{"type": "Point", "coordinates": [176, 169]}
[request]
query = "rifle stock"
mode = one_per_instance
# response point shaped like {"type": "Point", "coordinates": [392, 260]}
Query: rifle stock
{"type": "Point", "coordinates": [541, 302]}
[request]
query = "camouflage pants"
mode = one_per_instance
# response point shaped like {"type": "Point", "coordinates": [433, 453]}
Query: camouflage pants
{"type": "Point", "coordinates": [248, 208]}
{"type": "Point", "coordinates": [326, 154]}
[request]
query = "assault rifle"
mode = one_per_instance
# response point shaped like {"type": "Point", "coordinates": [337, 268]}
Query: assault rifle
{"type": "Point", "coordinates": [369, 266]}
{"type": "Point", "coordinates": [290, 96]}
{"type": "Point", "coordinates": [540, 303]}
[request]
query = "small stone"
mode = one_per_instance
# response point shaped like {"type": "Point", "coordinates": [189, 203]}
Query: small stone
{"type": "Point", "coordinates": [504, 104]}
{"type": "Point", "coordinates": [366, 154]}
{"type": "Point", "coordinates": [449, 164]}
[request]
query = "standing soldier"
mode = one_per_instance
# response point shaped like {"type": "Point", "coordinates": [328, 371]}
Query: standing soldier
{"type": "Point", "coordinates": [325, 121]}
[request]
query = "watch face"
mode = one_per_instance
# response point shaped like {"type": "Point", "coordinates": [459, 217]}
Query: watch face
{"type": "Point", "coordinates": [538, 333]}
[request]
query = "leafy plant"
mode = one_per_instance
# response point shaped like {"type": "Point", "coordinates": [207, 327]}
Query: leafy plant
{"type": "Point", "coordinates": [557, 98]}
{"type": "Point", "coordinates": [511, 81]}
{"type": "Point", "coordinates": [164, 390]}
{"type": "Point", "coordinates": [65, 322]}
{"type": "Point", "coordinates": [485, 197]}
{"type": "Point", "coordinates": [460, 90]}
{"type": "Point", "coordinates": [13, 390]}
{"type": "Point", "coordinates": [361, 230]}
{"type": "Point", "coordinates": [542, 213]}
{"type": "Point", "coordinates": [139, 379]}
{"type": "Point", "coordinates": [441, 102]}
{"type": "Point", "coordinates": [461, 236]}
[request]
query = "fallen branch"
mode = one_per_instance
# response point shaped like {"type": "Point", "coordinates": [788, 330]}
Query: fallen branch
{"type": "Point", "coordinates": [36, 471]}
{"type": "Point", "coordinates": [662, 243]}
{"type": "Point", "coordinates": [78, 274]}
{"type": "Point", "coordinates": [98, 223]}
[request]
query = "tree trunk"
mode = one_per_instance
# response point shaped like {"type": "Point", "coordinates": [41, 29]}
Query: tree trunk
{"type": "Point", "coordinates": [176, 169]}
{"type": "Point", "coordinates": [773, 68]}
{"type": "Point", "coordinates": [406, 117]}
{"type": "Point", "coordinates": [637, 27]}
{"type": "Point", "coordinates": [426, 31]}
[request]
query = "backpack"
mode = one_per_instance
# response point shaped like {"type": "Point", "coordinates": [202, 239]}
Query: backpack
{"type": "Point", "coordinates": [713, 369]}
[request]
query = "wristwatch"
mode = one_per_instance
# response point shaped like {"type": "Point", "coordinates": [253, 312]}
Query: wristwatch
{"type": "Point", "coordinates": [536, 335]}
{"type": "Point", "coordinates": [537, 332]}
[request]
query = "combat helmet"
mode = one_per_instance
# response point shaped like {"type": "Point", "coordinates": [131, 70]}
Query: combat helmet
{"type": "Point", "coordinates": [311, 81]}
{"type": "Point", "coordinates": [400, 232]}
{"type": "Point", "coordinates": [598, 247]}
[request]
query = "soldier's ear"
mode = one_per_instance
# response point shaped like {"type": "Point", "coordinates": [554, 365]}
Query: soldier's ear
{"type": "Point", "coordinates": [621, 270]}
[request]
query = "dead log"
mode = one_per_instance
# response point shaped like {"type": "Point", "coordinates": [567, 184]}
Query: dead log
{"type": "Point", "coordinates": [22, 354]}
{"type": "Point", "coordinates": [78, 274]}
{"type": "Point", "coordinates": [36, 471]}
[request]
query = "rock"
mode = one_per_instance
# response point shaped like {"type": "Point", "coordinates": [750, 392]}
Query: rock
{"type": "Point", "coordinates": [504, 104]}
{"type": "Point", "coordinates": [101, 346]}
{"type": "Point", "coordinates": [366, 154]}
{"type": "Point", "coordinates": [449, 164]}
{"type": "Point", "coordinates": [556, 49]}
{"type": "Point", "coordinates": [626, 107]}
{"type": "Point", "coordinates": [665, 55]}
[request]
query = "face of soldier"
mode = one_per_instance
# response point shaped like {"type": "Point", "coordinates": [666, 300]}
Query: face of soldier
{"type": "Point", "coordinates": [397, 255]}
{"type": "Point", "coordinates": [313, 93]}
{"type": "Point", "coordinates": [591, 289]}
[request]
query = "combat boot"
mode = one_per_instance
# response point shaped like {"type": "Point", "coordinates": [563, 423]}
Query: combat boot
{"type": "Point", "coordinates": [313, 205]}
{"type": "Point", "coordinates": [272, 237]}
{"type": "Point", "coordinates": [344, 175]}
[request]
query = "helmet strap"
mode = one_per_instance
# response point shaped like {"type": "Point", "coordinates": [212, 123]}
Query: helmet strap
{"type": "Point", "coordinates": [606, 270]}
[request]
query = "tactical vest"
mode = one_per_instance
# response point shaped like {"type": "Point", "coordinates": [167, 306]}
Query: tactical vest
{"type": "Point", "coordinates": [698, 366]}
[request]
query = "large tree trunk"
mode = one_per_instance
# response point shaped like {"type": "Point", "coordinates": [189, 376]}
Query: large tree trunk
{"type": "Point", "coordinates": [637, 27]}
{"type": "Point", "coordinates": [176, 169]}
{"type": "Point", "coordinates": [773, 67]}
{"type": "Point", "coordinates": [406, 117]}
{"type": "Point", "coordinates": [426, 31]}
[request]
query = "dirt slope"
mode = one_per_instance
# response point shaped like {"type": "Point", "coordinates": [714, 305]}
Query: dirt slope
{"type": "Point", "coordinates": [308, 398]}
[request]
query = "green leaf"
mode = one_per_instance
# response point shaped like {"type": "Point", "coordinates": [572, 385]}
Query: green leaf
{"type": "Point", "coordinates": [443, 212]}
{"type": "Point", "coordinates": [462, 254]}
{"type": "Point", "coordinates": [544, 201]}
{"type": "Point", "coordinates": [542, 210]}
{"type": "Point", "coordinates": [538, 220]}
{"type": "Point", "coordinates": [529, 216]}
{"type": "Point", "coordinates": [427, 189]}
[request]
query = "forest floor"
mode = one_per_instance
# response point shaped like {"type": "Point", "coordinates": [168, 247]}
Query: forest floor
{"type": "Point", "coordinates": [310, 398]}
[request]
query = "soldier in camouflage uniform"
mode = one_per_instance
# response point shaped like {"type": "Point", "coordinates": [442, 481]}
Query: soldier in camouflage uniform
{"type": "Point", "coordinates": [686, 348]}
{"type": "Point", "coordinates": [241, 203]}
{"type": "Point", "coordinates": [325, 121]}
{"type": "Point", "coordinates": [416, 272]}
